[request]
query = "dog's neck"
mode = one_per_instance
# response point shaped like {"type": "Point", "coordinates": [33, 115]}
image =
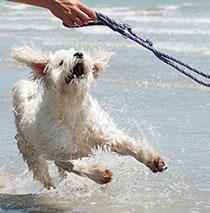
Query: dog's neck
{"type": "Point", "coordinates": [64, 106]}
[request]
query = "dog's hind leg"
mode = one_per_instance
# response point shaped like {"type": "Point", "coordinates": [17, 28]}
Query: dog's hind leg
{"type": "Point", "coordinates": [35, 161]}
{"type": "Point", "coordinates": [25, 100]}
{"type": "Point", "coordinates": [61, 171]}
{"type": "Point", "coordinates": [94, 172]}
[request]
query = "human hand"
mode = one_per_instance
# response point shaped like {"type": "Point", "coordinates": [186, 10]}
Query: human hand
{"type": "Point", "coordinates": [71, 12]}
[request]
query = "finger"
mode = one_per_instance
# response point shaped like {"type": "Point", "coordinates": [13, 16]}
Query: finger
{"type": "Point", "coordinates": [78, 21]}
{"type": "Point", "coordinates": [89, 12]}
{"type": "Point", "coordinates": [81, 15]}
{"type": "Point", "coordinates": [61, 14]}
{"type": "Point", "coordinates": [68, 22]}
{"type": "Point", "coordinates": [74, 19]}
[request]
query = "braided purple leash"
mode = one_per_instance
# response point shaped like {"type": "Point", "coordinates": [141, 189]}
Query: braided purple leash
{"type": "Point", "coordinates": [126, 31]}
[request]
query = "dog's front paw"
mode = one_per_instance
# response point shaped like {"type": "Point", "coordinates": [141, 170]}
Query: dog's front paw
{"type": "Point", "coordinates": [157, 164]}
{"type": "Point", "coordinates": [107, 176]}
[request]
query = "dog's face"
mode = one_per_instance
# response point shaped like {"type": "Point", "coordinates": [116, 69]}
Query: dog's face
{"type": "Point", "coordinates": [69, 67]}
{"type": "Point", "coordinates": [67, 72]}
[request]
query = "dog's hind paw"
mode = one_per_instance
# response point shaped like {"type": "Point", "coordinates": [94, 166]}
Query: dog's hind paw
{"type": "Point", "coordinates": [49, 185]}
{"type": "Point", "coordinates": [157, 164]}
{"type": "Point", "coordinates": [100, 175]}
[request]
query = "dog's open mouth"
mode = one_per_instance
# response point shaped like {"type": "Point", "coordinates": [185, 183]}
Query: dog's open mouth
{"type": "Point", "coordinates": [78, 72]}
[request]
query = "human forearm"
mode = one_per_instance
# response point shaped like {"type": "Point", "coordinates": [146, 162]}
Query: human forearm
{"type": "Point", "coordinates": [71, 12]}
{"type": "Point", "coordinates": [38, 3]}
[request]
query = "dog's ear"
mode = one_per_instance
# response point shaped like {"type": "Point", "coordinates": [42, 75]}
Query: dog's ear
{"type": "Point", "coordinates": [33, 57]}
{"type": "Point", "coordinates": [100, 61]}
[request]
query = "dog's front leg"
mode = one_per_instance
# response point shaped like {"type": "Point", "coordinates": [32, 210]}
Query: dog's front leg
{"type": "Point", "coordinates": [94, 172]}
{"type": "Point", "coordinates": [125, 145]}
{"type": "Point", "coordinates": [128, 146]}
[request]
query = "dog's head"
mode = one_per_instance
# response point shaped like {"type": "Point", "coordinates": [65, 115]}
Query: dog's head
{"type": "Point", "coordinates": [67, 72]}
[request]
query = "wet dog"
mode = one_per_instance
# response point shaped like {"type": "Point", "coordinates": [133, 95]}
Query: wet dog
{"type": "Point", "coordinates": [64, 123]}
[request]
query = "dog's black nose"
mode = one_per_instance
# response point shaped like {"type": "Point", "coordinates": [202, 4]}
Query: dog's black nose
{"type": "Point", "coordinates": [79, 55]}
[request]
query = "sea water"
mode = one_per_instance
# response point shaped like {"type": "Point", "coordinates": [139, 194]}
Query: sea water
{"type": "Point", "coordinates": [148, 99]}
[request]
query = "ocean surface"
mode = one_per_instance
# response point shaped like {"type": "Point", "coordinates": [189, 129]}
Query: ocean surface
{"type": "Point", "coordinates": [145, 97]}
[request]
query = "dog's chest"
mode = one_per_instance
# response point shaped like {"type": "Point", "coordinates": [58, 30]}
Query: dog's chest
{"type": "Point", "coordinates": [63, 137]}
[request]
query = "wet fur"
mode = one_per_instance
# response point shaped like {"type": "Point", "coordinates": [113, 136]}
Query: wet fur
{"type": "Point", "coordinates": [64, 123]}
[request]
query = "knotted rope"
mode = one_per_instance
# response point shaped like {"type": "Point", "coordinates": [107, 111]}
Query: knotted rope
{"type": "Point", "coordinates": [126, 31]}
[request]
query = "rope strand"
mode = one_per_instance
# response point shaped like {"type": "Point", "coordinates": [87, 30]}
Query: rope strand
{"type": "Point", "coordinates": [126, 31]}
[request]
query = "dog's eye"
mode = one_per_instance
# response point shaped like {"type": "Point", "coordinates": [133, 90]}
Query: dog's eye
{"type": "Point", "coordinates": [61, 63]}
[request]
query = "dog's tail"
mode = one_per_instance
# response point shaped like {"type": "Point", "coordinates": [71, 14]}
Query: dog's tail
{"type": "Point", "coordinates": [25, 97]}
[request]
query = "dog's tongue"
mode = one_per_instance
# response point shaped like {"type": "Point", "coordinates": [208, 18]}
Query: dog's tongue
{"type": "Point", "coordinates": [78, 69]}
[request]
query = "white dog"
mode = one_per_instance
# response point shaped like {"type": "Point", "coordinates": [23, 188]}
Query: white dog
{"type": "Point", "coordinates": [64, 123]}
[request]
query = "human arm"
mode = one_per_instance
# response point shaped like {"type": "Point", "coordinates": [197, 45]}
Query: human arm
{"type": "Point", "coordinates": [71, 12]}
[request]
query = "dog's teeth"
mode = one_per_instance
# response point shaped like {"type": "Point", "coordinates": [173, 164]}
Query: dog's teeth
{"type": "Point", "coordinates": [70, 76]}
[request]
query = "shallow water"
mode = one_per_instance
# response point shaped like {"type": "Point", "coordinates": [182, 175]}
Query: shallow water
{"type": "Point", "coordinates": [145, 97]}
